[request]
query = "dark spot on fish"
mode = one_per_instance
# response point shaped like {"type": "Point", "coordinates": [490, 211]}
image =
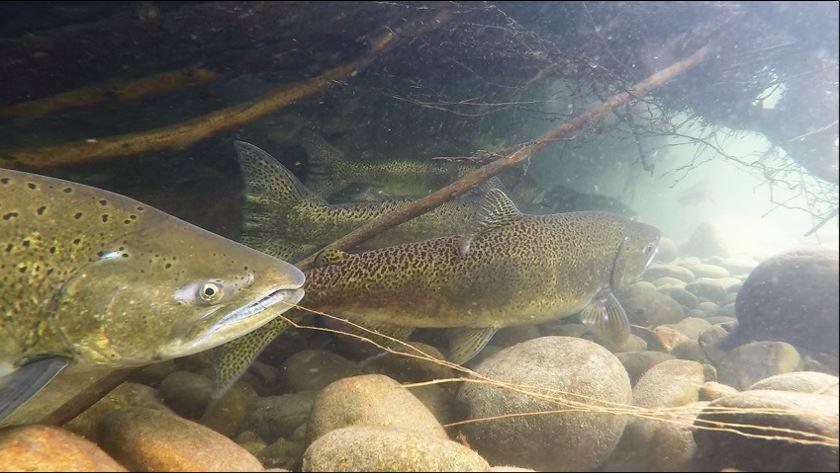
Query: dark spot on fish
{"type": "Point", "coordinates": [100, 254]}
{"type": "Point", "coordinates": [41, 210]}
{"type": "Point", "coordinates": [26, 243]}
{"type": "Point", "coordinates": [139, 208]}
{"type": "Point", "coordinates": [125, 255]}
{"type": "Point", "coordinates": [22, 269]}
{"type": "Point", "coordinates": [52, 250]}
{"type": "Point", "coordinates": [31, 185]}
{"type": "Point", "coordinates": [77, 241]}
{"type": "Point", "coordinates": [9, 248]}
{"type": "Point", "coordinates": [104, 218]}
{"type": "Point", "coordinates": [122, 248]}
{"type": "Point", "coordinates": [10, 215]}
{"type": "Point", "coordinates": [103, 202]}
{"type": "Point", "coordinates": [68, 190]}
{"type": "Point", "coordinates": [132, 216]}
{"type": "Point", "coordinates": [5, 180]}
{"type": "Point", "coordinates": [126, 221]}
{"type": "Point", "coordinates": [78, 215]}
{"type": "Point", "coordinates": [168, 265]}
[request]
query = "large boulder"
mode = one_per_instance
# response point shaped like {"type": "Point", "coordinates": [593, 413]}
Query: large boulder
{"type": "Point", "coordinates": [573, 370]}
{"type": "Point", "coordinates": [746, 364]}
{"type": "Point", "coordinates": [144, 439]}
{"type": "Point", "coordinates": [371, 400]}
{"type": "Point", "coordinates": [381, 449]}
{"type": "Point", "coordinates": [46, 448]}
{"type": "Point", "coordinates": [785, 431]}
{"type": "Point", "coordinates": [650, 308]}
{"type": "Point", "coordinates": [793, 297]}
{"type": "Point", "coordinates": [312, 370]}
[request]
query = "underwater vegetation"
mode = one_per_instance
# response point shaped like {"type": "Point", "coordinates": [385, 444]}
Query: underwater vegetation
{"type": "Point", "coordinates": [419, 236]}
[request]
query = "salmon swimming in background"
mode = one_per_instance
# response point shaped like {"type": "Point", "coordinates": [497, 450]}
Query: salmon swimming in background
{"type": "Point", "coordinates": [93, 278]}
{"type": "Point", "coordinates": [285, 219]}
{"type": "Point", "coordinates": [510, 269]}
{"type": "Point", "coordinates": [330, 171]}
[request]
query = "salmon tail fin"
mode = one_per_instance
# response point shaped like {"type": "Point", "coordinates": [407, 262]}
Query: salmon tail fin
{"type": "Point", "coordinates": [271, 190]}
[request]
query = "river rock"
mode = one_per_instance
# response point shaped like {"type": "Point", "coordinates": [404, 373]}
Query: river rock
{"type": "Point", "coordinates": [278, 416]}
{"type": "Point", "coordinates": [124, 396]}
{"type": "Point", "coordinates": [712, 390]}
{"type": "Point", "coordinates": [793, 297]}
{"type": "Point", "coordinates": [186, 393]}
{"type": "Point", "coordinates": [672, 445]}
{"type": "Point", "coordinates": [380, 449]}
{"type": "Point", "coordinates": [681, 295]}
{"type": "Point", "coordinates": [565, 330]}
{"type": "Point", "coordinates": [798, 381]}
{"type": "Point", "coordinates": [707, 288]}
{"type": "Point", "coordinates": [668, 283]}
{"type": "Point", "coordinates": [631, 343]}
{"type": "Point", "coordinates": [666, 251]}
{"type": "Point", "coordinates": [692, 327]}
{"type": "Point", "coordinates": [810, 413]}
{"type": "Point", "coordinates": [282, 454]}
{"type": "Point", "coordinates": [312, 370]}
{"type": "Point", "coordinates": [728, 309]}
{"type": "Point", "coordinates": [145, 439]}
{"type": "Point", "coordinates": [369, 400]}
{"type": "Point", "coordinates": [251, 442]}
{"type": "Point", "coordinates": [746, 364]}
{"type": "Point", "coordinates": [657, 271]}
{"type": "Point", "coordinates": [638, 362]}
{"type": "Point", "coordinates": [641, 286]}
{"type": "Point", "coordinates": [563, 441]}
{"type": "Point", "coordinates": [650, 308]}
{"type": "Point", "coordinates": [709, 308]}
{"type": "Point", "coordinates": [690, 350]}
{"type": "Point", "coordinates": [408, 369]}
{"type": "Point", "coordinates": [231, 410]}
{"type": "Point", "coordinates": [710, 271]}
{"type": "Point", "coordinates": [671, 383]}
{"type": "Point", "coordinates": [665, 338]}
{"type": "Point", "coordinates": [721, 319]}
{"type": "Point", "coordinates": [47, 448]}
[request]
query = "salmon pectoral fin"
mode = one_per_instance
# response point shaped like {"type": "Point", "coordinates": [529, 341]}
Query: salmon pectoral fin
{"type": "Point", "coordinates": [25, 382]}
{"type": "Point", "coordinates": [606, 317]}
{"type": "Point", "coordinates": [465, 343]}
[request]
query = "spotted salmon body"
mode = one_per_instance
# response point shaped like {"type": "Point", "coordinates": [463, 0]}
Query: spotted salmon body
{"type": "Point", "coordinates": [91, 277]}
{"type": "Point", "coordinates": [509, 269]}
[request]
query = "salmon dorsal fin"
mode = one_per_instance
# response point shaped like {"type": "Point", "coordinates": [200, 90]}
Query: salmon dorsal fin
{"type": "Point", "coordinates": [267, 181]}
{"type": "Point", "coordinates": [497, 211]}
{"type": "Point", "coordinates": [329, 256]}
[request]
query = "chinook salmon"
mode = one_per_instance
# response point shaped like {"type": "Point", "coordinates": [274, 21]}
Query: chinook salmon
{"type": "Point", "coordinates": [97, 279]}
{"type": "Point", "coordinates": [285, 219]}
{"type": "Point", "coordinates": [331, 171]}
{"type": "Point", "coordinates": [511, 269]}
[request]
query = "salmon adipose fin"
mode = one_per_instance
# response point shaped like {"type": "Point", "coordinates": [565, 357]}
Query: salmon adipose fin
{"type": "Point", "coordinates": [25, 382]}
{"type": "Point", "coordinates": [465, 343]}
{"type": "Point", "coordinates": [497, 210]}
{"type": "Point", "coordinates": [606, 316]}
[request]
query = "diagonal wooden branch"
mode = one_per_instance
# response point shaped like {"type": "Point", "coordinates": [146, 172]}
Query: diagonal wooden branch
{"type": "Point", "coordinates": [561, 133]}
{"type": "Point", "coordinates": [184, 134]}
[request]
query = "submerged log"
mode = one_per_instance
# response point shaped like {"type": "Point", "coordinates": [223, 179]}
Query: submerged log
{"type": "Point", "coordinates": [155, 84]}
{"type": "Point", "coordinates": [182, 135]}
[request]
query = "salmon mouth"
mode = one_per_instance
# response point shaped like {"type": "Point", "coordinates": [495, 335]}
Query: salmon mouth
{"type": "Point", "coordinates": [286, 296]}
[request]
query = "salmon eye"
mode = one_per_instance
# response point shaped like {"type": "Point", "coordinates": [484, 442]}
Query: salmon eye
{"type": "Point", "coordinates": [210, 292]}
{"type": "Point", "coordinates": [648, 249]}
